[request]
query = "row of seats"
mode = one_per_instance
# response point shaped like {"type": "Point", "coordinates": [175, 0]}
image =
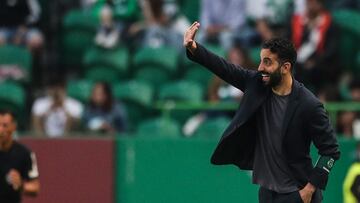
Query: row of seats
{"type": "Point", "coordinates": [165, 127]}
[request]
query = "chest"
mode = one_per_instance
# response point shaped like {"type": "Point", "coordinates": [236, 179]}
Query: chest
{"type": "Point", "coordinates": [10, 160]}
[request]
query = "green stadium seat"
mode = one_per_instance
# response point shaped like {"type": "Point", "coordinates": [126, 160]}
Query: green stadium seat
{"type": "Point", "coordinates": [200, 75]}
{"type": "Point", "coordinates": [182, 90]}
{"type": "Point", "coordinates": [79, 28]}
{"type": "Point", "coordinates": [137, 96]}
{"type": "Point", "coordinates": [16, 57]}
{"type": "Point", "coordinates": [153, 75]}
{"type": "Point", "coordinates": [134, 91]}
{"type": "Point", "coordinates": [191, 9]}
{"type": "Point", "coordinates": [161, 57]}
{"type": "Point", "coordinates": [349, 23]}
{"type": "Point", "coordinates": [212, 127]}
{"type": "Point", "coordinates": [106, 74]}
{"type": "Point", "coordinates": [80, 20]}
{"type": "Point", "coordinates": [12, 96]}
{"type": "Point", "coordinates": [80, 90]}
{"type": "Point", "coordinates": [159, 127]}
{"type": "Point", "coordinates": [255, 55]}
{"type": "Point", "coordinates": [117, 58]}
{"type": "Point", "coordinates": [126, 10]}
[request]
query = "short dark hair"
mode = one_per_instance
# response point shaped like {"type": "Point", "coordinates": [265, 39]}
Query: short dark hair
{"type": "Point", "coordinates": [4, 112]}
{"type": "Point", "coordinates": [284, 49]}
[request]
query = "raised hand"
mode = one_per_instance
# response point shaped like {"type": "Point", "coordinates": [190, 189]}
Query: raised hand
{"type": "Point", "coordinates": [189, 36]}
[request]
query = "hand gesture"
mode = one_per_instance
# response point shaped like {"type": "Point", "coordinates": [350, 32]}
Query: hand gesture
{"type": "Point", "coordinates": [14, 179]}
{"type": "Point", "coordinates": [189, 36]}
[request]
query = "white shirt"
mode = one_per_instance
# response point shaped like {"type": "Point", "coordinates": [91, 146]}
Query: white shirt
{"type": "Point", "coordinates": [55, 122]}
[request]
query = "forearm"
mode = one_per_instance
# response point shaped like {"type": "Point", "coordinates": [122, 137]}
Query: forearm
{"type": "Point", "coordinates": [232, 74]}
{"type": "Point", "coordinates": [31, 188]}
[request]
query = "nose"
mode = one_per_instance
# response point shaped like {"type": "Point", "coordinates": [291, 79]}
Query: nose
{"type": "Point", "coordinates": [260, 68]}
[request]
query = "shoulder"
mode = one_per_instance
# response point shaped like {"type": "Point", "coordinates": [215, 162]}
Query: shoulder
{"type": "Point", "coordinates": [21, 149]}
{"type": "Point", "coordinates": [41, 105]}
{"type": "Point", "coordinates": [74, 107]}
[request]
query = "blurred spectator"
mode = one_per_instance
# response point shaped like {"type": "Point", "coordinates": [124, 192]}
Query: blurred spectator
{"type": "Point", "coordinates": [351, 186]}
{"type": "Point", "coordinates": [349, 121]}
{"type": "Point", "coordinates": [220, 91]}
{"type": "Point", "coordinates": [104, 114]}
{"type": "Point", "coordinates": [224, 21]}
{"type": "Point", "coordinates": [116, 17]}
{"type": "Point", "coordinates": [56, 114]}
{"type": "Point", "coordinates": [163, 24]}
{"type": "Point", "coordinates": [315, 39]}
{"type": "Point", "coordinates": [17, 18]}
{"type": "Point", "coordinates": [108, 33]}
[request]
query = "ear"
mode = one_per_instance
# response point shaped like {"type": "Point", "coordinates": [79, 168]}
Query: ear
{"type": "Point", "coordinates": [286, 68]}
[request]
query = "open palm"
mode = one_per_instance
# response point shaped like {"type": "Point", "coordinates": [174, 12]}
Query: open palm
{"type": "Point", "coordinates": [189, 36]}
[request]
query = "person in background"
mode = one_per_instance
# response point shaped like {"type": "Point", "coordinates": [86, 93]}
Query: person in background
{"type": "Point", "coordinates": [56, 114]}
{"type": "Point", "coordinates": [108, 33]}
{"type": "Point", "coordinates": [316, 40]}
{"type": "Point", "coordinates": [163, 24]}
{"type": "Point", "coordinates": [103, 114]}
{"type": "Point", "coordinates": [351, 185]}
{"type": "Point", "coordinates": [224, 21]}
{"type": "Point", "coordinates": [18, 168]}
{"type": "Point", "coordinates": [17, 20]}
{"type": "Point", "coordinates": [348, 124]}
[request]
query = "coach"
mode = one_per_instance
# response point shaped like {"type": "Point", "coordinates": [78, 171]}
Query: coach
{"type": "Point", "coordinates": [276, 122]}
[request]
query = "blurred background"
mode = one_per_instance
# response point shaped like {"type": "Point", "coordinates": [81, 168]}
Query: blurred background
{"type": "Point", "coordinates": [115, 112]}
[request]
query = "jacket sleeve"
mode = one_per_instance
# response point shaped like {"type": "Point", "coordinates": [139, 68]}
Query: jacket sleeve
{"type": "Point", "coordinates": [231, 73]}
{"type": "Point", "coordinates": [324, 139]}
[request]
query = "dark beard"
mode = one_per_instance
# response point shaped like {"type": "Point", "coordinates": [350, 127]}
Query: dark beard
{"type": "Point", "coordinates": [275, 78]}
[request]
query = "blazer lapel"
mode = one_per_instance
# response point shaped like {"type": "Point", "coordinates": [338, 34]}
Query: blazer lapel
{"type": "Point", "coordinates": [292, 105]}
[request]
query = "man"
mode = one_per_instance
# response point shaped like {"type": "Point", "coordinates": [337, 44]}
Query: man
{"type": "Point", "coordinates": [18, 169]}
{"type": "Point", "coordinates": [56, 114]}
{"type": "Point", "coordinates": [273, 128]}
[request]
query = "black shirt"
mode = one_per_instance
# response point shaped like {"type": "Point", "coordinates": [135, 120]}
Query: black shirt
{"type": "Point", "coordinates": [270, 168]}
{"type": "Point", "coordinates": [21, 159]}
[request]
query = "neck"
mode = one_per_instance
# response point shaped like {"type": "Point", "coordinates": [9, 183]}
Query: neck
{"type": "Point", "coordinates": [284, 88]}
{"type": "Point", "coordinates": [6, 146]}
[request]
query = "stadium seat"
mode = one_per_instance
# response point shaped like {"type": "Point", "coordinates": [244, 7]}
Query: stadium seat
{"type": "Point", "coordinates": [127, 10]}
{"type": "Point", "coordinates": [165, 58]}
{"type": "Point", "coordinates": [153, 75]}
{"type": "Point", "coordinates": [16, 62]}
{"type": "Point", "coordinates": [212, 127]}
{"type": "Point", "coordinates": [349, 24]}
{"type": "Point", "coordinates": [137, 96]}
{"type": "Point", "coordinates": [117, 58]}
{"type": "Point", "coordinates": [159, 127]}
{"type": "Point", "coordinates": [80, 90]}
{"type": "Point", "coordinates": [80, 20]}
{"type": "Point", "coordinates": [182, 90]}
{"type": "Point", "coordinates": [134, 91]}
{"type": "Point", "coordinates": [12, 96]}
{"type": "Point", "coordinates": [191, 9]}
{"type": "Point", "coordinates": [106, 74]}
{"type": "Point", "coordinates": [79, 28]}
{"type": "Point", "coordinates": [200, 75]}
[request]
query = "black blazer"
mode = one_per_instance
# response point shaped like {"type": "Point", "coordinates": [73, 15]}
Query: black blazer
{"type": "Point", "coordinates": [305, 121]}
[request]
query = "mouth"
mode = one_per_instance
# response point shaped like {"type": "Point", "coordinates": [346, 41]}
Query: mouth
{"type": "Point", "coordinates": [265, 77]}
